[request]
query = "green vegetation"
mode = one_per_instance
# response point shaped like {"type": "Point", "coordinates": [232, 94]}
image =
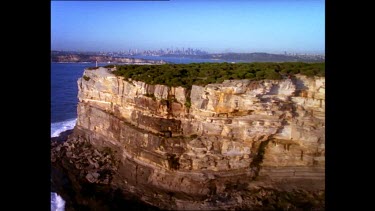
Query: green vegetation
{"type": "Point", "coordinates": [186, 75]}
{"type": "Point", "coordinates": [188, 103]}
{"type": "Point", "coordinates": [110, 66]}
{"type": "Point", "coordinates": [87, 78]}
{"type": "Point", "coordinates": [151, 96]}
{"type": "Point", "coordinates": [92, 68]}
{"type": "Point", "coordinates": [188, 99]}
{"type": "Point", "coordinates": [108, 151]}
{"type": "Point", "coordinates": [193, 136]}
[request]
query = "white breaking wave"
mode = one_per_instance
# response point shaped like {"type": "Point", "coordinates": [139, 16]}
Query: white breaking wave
{"type": "Point", "coordinates": [58, 127]}
{"type": "Point", "coordinates": [57, 203]}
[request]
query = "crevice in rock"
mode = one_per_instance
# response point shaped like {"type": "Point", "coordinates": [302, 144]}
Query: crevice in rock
{"type": "Point", "coordinates": [173, 161]}
{"type": "Point", "coordinates": [258, 159]}
{"type": "Point", "coordinates": [188, 100]}
{"type": "Point", "coordinates": [136, 176]}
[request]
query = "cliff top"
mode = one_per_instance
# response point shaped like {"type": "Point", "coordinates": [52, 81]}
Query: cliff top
{"type": "Point", "coordinates": [186, 75]}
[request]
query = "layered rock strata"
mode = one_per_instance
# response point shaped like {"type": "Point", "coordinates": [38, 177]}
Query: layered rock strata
{"type": "Point", "coordinates": [212, 147]}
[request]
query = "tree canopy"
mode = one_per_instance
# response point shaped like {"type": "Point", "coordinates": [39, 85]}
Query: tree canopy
{"type": "Point", "coordinates": [186, 75]}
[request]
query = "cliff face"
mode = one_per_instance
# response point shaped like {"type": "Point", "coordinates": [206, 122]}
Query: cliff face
{"type": "Point", "coordinates": [233, 137]}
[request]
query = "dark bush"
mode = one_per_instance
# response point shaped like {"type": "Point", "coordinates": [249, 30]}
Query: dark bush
{"type": "Point", "coordinates": [87, 78]}
{"type": "Point", "coordinates": [109, 66]}
{"type": "Point", "coordinates": [272, 74]}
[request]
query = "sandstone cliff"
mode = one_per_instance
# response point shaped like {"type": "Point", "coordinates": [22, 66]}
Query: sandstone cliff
{"type": "Point", "coordinates": [209, 147]}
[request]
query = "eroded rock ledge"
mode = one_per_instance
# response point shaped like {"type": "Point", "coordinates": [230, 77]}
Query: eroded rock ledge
{"type": "Point", "coordinates": [240, 145]}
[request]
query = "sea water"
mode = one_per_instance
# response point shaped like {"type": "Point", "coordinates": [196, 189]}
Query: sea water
{"type": "Point", "coordinates": [64, 101]}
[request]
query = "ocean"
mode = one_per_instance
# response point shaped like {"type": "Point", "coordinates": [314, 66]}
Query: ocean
{"type": "Point", "coordinates": [64, 101]}
{"type": "Point", "coordinates": [64, 91]}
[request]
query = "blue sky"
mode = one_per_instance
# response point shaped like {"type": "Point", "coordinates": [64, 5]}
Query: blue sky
{"type": "Point", "coordinates": [272, 26]}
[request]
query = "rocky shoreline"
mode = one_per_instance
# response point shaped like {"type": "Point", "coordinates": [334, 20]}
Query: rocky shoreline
{"type": "Point", "coordinates": [83, 176]}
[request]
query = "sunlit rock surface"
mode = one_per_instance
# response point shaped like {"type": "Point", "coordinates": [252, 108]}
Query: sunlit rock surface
{"type": "Point", "coordinates": [235, 140]}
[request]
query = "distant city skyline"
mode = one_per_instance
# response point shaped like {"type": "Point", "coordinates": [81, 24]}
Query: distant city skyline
{"type": "Point", "coordinates": [179, 51]}
{"type": "Point", "coordinates": [216, 27]}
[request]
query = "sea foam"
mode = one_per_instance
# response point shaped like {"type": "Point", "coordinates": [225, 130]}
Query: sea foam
{"type": "Point", "coordinates": [57, 203]}
{"type": "Point", "coordinates": [58, 127]}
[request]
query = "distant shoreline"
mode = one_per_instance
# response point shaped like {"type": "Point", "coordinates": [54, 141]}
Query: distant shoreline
{"type": "Point", "coordinates": [254, 57]}
{"type": "Point", "coordinates": [77, 62]}
{"type": "Point", "coordinates": [112, 63]}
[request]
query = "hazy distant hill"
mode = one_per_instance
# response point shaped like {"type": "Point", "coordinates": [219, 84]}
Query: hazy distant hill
{"type": "Point", "coordinates": [258, 57]}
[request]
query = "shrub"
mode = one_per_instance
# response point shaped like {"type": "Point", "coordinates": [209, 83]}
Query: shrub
{"type": "Point", "coordinates": [87, 78]}
{"type": "Point", "coordinates": [188, 104]}
{"type": "Point", "coordinates": [272, 75]}
{"type": "Point", "coordinates": [249, 75]}
{"type": "Point", "coordinates": [308, 72]}
{"type": "Point", "coordinates": [152, 96]}
{"type": "Point", "coordinates": [193, 136]}
{"type": "Point", "coordinates": [110, 66]}
{"type": "Point", "coordinates": [260, 74]}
